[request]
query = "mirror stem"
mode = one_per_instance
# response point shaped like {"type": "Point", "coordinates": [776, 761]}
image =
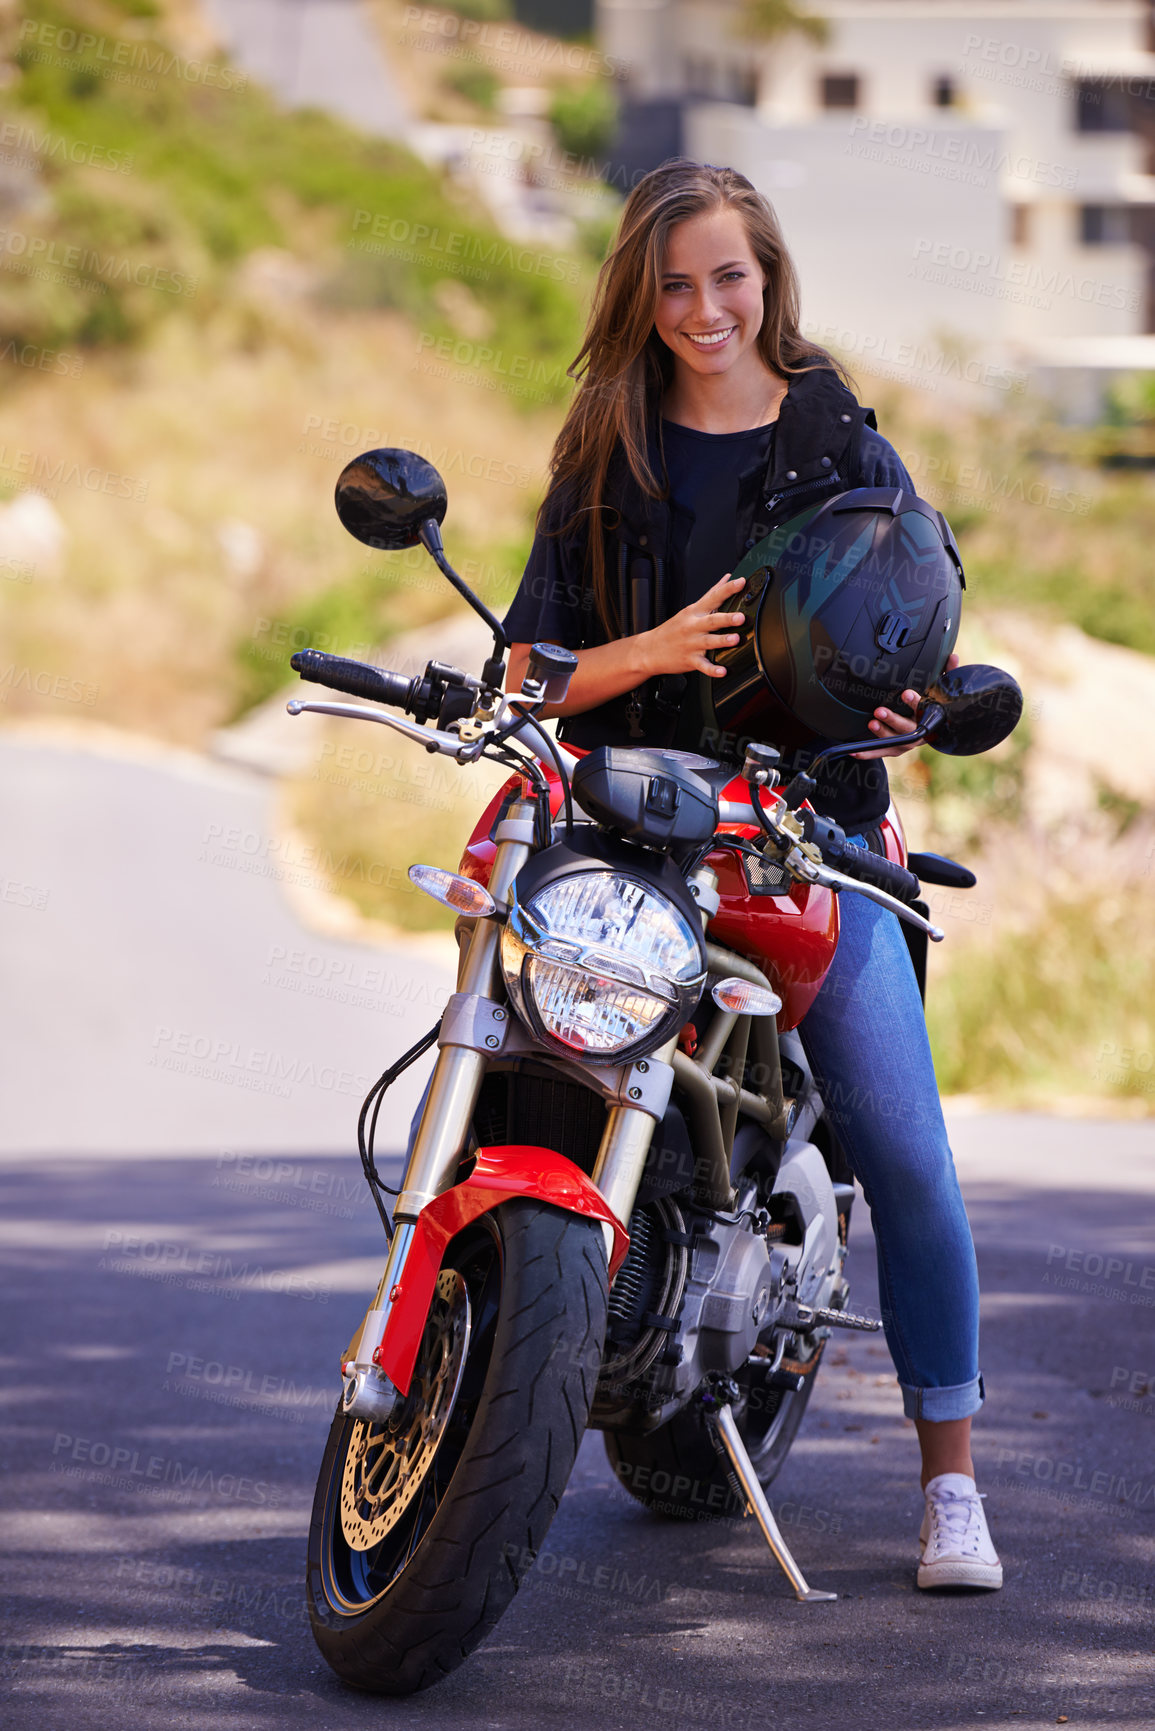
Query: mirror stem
{"type": "Point", "coordinates": [435, 547]}
{"type": "Point", "coordinates": [930, 715]}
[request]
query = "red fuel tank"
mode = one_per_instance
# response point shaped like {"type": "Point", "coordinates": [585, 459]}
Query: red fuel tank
{"type": "Point", "coordinates": [791, 935]}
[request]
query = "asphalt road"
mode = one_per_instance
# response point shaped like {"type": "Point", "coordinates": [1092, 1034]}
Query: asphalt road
{"type": "Point", "coordinates": [160, 994]}
{"type": "Point", "coordinates": [173, 1320]}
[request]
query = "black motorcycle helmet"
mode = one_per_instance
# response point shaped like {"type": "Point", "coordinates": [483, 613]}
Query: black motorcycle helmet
{"type": "Point", "coordinates": [847, 605]}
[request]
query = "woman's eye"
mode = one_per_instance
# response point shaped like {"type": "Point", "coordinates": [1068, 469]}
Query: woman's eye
{"type": "Point", "coordinates": [725, 276]}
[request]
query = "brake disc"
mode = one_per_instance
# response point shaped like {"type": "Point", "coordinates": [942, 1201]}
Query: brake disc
{"type": "Point", "coordinates": [387, 1464]}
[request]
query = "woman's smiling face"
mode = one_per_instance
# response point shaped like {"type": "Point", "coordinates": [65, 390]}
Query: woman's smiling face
{"type": "Point", "coordinates": [710, 305]}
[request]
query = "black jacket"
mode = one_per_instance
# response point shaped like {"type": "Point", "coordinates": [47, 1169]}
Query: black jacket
{"type": "Point", "coordinates": [824, 442]}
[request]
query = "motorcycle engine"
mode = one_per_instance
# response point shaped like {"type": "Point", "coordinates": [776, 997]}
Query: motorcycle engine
{"type": "Point", "coordinates": [697, 1293]}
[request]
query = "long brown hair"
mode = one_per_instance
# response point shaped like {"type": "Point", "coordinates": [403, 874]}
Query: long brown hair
{"type": "Point", "coordinates": [623, 368]}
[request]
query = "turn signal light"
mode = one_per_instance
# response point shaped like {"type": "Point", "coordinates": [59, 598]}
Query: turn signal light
{"type": "Point", "coordinates": [460, 894]}
{"type": "Point", "coordinates": [743, 999]}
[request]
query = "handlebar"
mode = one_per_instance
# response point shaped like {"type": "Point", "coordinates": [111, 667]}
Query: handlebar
{"type": "Point", "coordinates": [858, 862]}
{"type": "Point", "coordinates": [358, 679]}
{"type": "Point", "coordinates": [871, 868]}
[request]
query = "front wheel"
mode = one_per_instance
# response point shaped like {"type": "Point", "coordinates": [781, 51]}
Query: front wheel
{"type": "Point", "coordinates": [423, 1526]}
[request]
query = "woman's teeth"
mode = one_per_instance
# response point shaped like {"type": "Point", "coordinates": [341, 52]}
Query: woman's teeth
{"type": "Point", "coordinates": [712, 338]}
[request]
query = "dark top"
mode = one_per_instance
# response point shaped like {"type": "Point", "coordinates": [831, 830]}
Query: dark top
{"type": "Point", "coordinates": [553, 605]}
{"type": "Point", "coordinates": [703, 469]}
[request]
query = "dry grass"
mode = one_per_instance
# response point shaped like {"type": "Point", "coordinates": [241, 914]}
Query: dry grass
{"type": "Point", "coordinates": [1060, 1007]}
{"type": "Point", "coordinates": [1039, 523]}
{"type": "Point", "coordinates": [374, 804]}
{"type": "Point", "coordinates": [223, 426]}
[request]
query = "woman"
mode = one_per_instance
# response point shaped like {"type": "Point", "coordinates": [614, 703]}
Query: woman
{"type": "Point", "coordinates": [693, 370]}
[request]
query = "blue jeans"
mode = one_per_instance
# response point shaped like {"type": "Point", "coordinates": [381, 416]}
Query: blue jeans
{"type": "Point", "coordinates": [865, 1037]}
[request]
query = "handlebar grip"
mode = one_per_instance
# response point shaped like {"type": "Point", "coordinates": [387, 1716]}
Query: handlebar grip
{"type": "Point", "coordinates": [884, 874]}
{"type": "Point", "coordinates": [354, 678]}
{"type": "Point", "coordinates": [935, 868]}
{"type": "Point", "coordinates": [859, 862]}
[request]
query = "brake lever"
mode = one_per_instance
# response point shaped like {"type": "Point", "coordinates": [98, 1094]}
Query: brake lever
{"type": "Point", "coordinates": [827, 878]}
{"type": "Point", "coordinates": [446, 743]}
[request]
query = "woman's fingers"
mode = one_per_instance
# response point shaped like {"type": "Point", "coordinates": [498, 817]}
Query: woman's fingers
{"type": "Point", "coordinates": [886, 721]}
{"type": "Point", "coordinates": [699, 630]}
{"type": "Point", "coordinates": [716, 624]}
{"type": "Point", "coordinates": [888, 724]}
{"type": "Point", "coordinates": [720, 593]}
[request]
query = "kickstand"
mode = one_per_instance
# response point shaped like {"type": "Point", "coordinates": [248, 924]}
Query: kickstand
{"type": "Point", "coordinates": [728, 1440]}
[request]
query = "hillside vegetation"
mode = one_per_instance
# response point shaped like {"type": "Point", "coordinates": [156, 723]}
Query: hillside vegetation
{"type": "Point", "coordinates": [198, 329]}
{"type": "Point", "coordinates": [159, 171]}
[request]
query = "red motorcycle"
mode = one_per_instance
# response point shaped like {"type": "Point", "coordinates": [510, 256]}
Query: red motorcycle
{"type": "Point", "coordinates": [623, 1206]}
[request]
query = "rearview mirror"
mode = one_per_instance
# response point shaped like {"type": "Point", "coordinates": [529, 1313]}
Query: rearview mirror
{"type": "Point", "coordinates": [978, 706]}
{"type": "Point", "coordinates": [392, 499]}
{"type": "Point", "coordinates": [385, 497]}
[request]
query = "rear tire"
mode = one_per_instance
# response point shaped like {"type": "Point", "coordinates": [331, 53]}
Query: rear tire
{"type": "Point", "coordinates": [404, 1582]}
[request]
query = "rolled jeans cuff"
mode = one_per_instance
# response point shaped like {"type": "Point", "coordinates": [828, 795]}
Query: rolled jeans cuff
{"type": "Point", "coordinates": [941, 1404]}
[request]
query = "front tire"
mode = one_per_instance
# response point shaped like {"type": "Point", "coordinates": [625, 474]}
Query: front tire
{"type": "Point", "coordinates": [423, 1527]}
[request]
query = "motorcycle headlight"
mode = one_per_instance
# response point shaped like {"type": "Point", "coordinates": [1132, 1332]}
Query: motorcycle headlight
{"type": "Point", "coordinates": [602, 965]}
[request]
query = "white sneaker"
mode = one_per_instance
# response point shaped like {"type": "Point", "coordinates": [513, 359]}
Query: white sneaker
{"type": "Point", "coordinates": [956, 1546]}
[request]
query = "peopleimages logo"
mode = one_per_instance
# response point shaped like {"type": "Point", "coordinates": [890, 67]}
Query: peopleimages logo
{"type": "Point", "coordinates": [992, 268]}
{"type": "Point", "coordinates": [422, 238]}
{"type": "Point", "coordinates": [1027, 68]}
{"type": "Point", "coordinates": [950, 149]}
{"type": "Point", "coordinates": [126, 1468]}
{"type": "Point", "coordinates": [33, 254]}
{"type": "Point", "coordinates": [20, 144]}
{"type": "Point", "coordinates": [111, 56]}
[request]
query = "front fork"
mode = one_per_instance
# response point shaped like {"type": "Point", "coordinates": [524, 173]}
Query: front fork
{"type": "Point", "coordinates": [442, 1131]}
{"type": "Point", "coordinates": [444, 1127]}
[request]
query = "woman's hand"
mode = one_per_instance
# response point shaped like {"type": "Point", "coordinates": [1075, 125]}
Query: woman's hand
{"type": "Point", "coordinates": [887, 724]}
{"type": "Point", "coordinates": [683, 643]}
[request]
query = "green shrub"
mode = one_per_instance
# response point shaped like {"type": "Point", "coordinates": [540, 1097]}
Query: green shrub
{"type": "Point", "coordinates": [987, 789]}
{"type": "Point", "coordinates": [596, 234]}
{"type": "Point", "coordinates": [216, 171]}
{"type": "Point", "coordinates": [476, 83]}
{"type": "Point", "coordinates": [351, 617]}
{"type": "Point", "coordinates": [585, 120]}
{"type": "Point", "coordinates": [1131, 401]}
{"type": "Point", "coordinates": [359, 613]}
{"type": "Point", "coordinates": [486, 10]}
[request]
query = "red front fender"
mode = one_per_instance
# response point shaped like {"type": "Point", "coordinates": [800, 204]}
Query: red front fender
{"type": "Point", "coordinates": [512, 1170]}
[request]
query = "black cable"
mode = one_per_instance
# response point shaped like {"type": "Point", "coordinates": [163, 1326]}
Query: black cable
{"type": "Point", "coordinates": [738, 843]}
{"type": "Point", "coordinates": [373, 1099]}
{"type": "Point", "coordinates": [567, 797]}
{"type": "Point", "coordinates": [520, 763]}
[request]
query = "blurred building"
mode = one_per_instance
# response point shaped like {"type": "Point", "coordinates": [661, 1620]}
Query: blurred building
{"type": "Point", "coordinates": [971, 174]}
{"type": "Point", "coordinates": [556, 17]}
